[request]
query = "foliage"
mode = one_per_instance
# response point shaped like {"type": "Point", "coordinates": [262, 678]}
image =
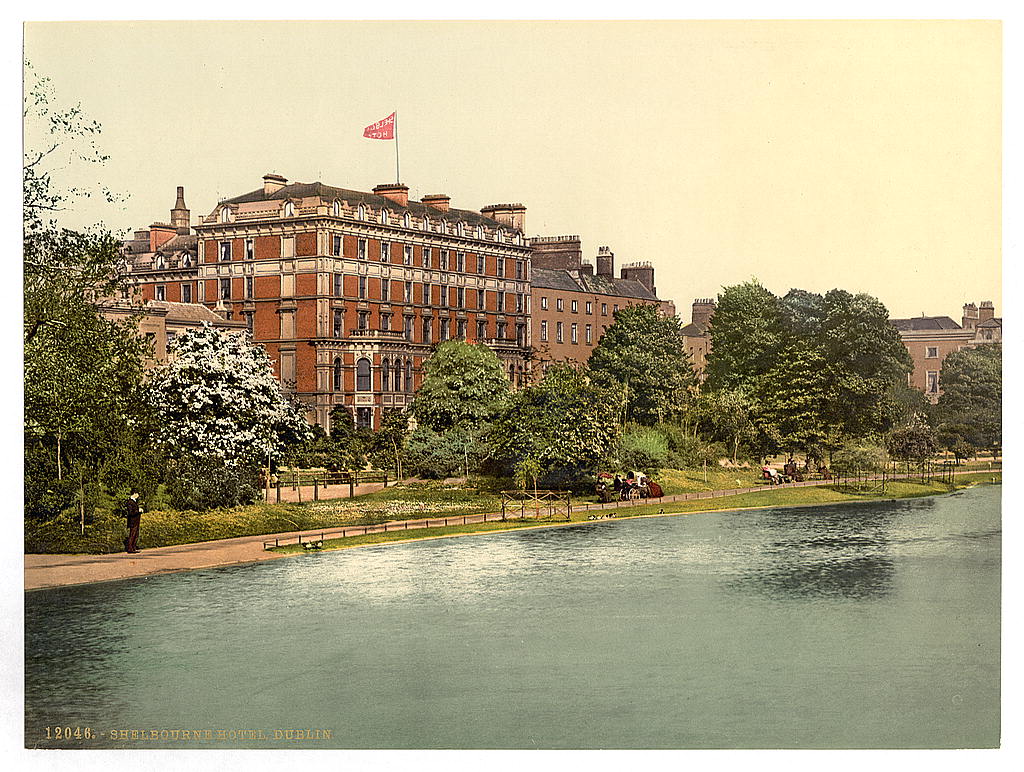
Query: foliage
{"type": "Point", "coordinates": [220, 408]}
{"type": "Point", "coordinates": [725, 415]}
{"type": "Point", "coordinates": [747, 332]}
{"type": "Point", "coordinates": [972, 394]}
{"type": "Point", "coordinates": [859, 457]}
{"type": "Point", "coordinates": [437, 456]}
{"type": "Point", "coordinates": [641, 448]}
{"type": "Point", "coordinates": [566, 423]}
{"type": "Point", "coordinates": [914, 442]}
{"type": "Point", "coordinates": [388, 443]}
{"type": "Point", "coordinates": [643, 352]}
{"type": "Point", "coordinates": [464, 385]}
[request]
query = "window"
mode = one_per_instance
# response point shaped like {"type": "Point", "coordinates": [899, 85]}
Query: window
{"type": "Point", "coordinates": [426, 257]}
{"type": "Point", "coordinates": [225, 214]}
{"type": "Point", "coordinates": [479, 263]}
{"type": "Point", "coordinates": [336, 209]}
{"type": "Point", "coordinates": [409, 327]}
{"type": "Point", "coordinates": [558, 305]}
{"type": "Point", "coordinates": [460, 228]}
{"type": "Point", "coordinates": [590, 335]}
{"type": "Point", "coordinates": [520, 270]}
{"type": "Point", "coordinates": [339, 321]}
{"type": "Point", "coordinates": [364, 417]}
{"type": "Point", "coordinates": [501, 301]}
{"type": "Point", "coordinates": [385, 322]}
{"type": "Point", "coordinates": [248, 287]}
{"type": "Point", "coordinates": [501, 267]}
{"type": "Point", "coordinates": [336, 374]}
{"type": "Point", "coordinates": [362, 287]}
{"type": "Point", "coordinates": [361, 214]}
{"type": "Point", "coordinates": [186, 293]}
{"type": "Point", "coordinates": [461, 324]}
{"type": "Point", "coordinates": [408, 375]}
{"type": "Point", "coordinates": [442, 297]}
{"type": "Point", "coordinates": [161, 262]}
{"type": "Point", "coordinates": [161, 292]}
{"type": "Point", "coordinates": [615, 308]}
{"type": "Point", "coordinates": [426, 223]}
{"type": "Point", "coordinates": [339, 285]}
{"type": "Point", "coordinates": [250, 249]}
{"type": "Point", "coordinates": [499, 235]}
{"type": "Point", "coordinates": [361, 249]}
{"type": "Point", "coordinates": [460, 297]}
{"type": "Point", "coordinates": [520, 303]}
{"type": "Point", "coordinates": [408, 292]}
{"type": "Point", "coordinates": [502, 330]}
{"type": "Point", "coordinates": [336, 245]}
{"type": "Point", "coordinates": [479, 232]}
{"type": "Point", "coordinates": [604, 309]}
{"type": "Point", "coordinates": [443, 262]}
{"type": "Point", "coordinates": [225, 289]}
{"type": "Point", "coordinates": [543, 304]}
{"type": "Point", "coordinates": [932, 352]}
{"type": "Point", "coordinates": [521, 334]}
{"type": "Point", "coordinates": [363, 375]}
{"type": "Point", "coordinates": [933, 382]}
{"type": "Point", "coordinates": [590, 307]}
{"type": "Point", "coordinates": [385, 290]}
{"type": "Point", "coordinates": [363, 323]}
{"type": "Point", "coordinates": [407, 253]}
{"type": "Point", "coordinates": [426, 331]}
{"type": "Point", "coordinates": [398, 375]}
{"type": "Point", "coordinates": [186, 261]}
{"type": "Point", "coordinates": [406, 220]}
{"type": "Point", "coordinates": [289, 209]}
{"type": "Point", "coordinates": [248, 320]}
{"type": "Point", "coordinates": [543, 330]}
{"type": "Point", "coordinates": [225, 251]}
{"type": "Point", "coordinates": [385, 251]}
{"type": "Point", "coordinates": [480, 299]}
{"type": "Point", "coordinates": [445, 324]}
{"type": "Point", "coordinates": [460, 262]}
{"type": "Point", "coordinates": [385, 375]}
{"type": "Point", "coordinates": [573, 334]}
{"type": "Point", "coordinates": [481, 329]}
{"type": "Point", "coordinates": [383, 216]}
{"type": "Point", "coordinates": [426, 294]}
{"type": "Point", "coordinates": [558, 332]}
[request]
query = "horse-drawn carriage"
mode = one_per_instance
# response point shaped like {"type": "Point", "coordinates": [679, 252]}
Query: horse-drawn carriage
{"type": "Point", "coordinates": [635, 485]}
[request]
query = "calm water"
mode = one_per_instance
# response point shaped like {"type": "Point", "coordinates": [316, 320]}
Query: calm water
{"type": "Point", "coordinates": [870, 625]}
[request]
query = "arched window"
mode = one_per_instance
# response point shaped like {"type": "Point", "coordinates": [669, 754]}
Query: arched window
{"type": "Point", "coordinates": [385, 375]}
{"type": "Point", "coordinates": [289, 209]}
{"type": "Point", "coordinates": [408, 375]}
{"type": "Point", "coordinates": [479, 232]}
{"type": "Point", "coordinates": [460, 229]}
{"type": "Point", "coordinates": [398, 375]}
{"type": "Point", "coordinates": [337, 374]}
{"type": "Point", "coordinates": [362, 212]}
{"type": "Point", "coordinates": [363, 375]}
{"type": "Point", "coordinates": [426, 223]}
{"type": "Point", "coordinates": [407, 220]}
{"type": "Point", "coordinates": [161, 262]}
{"type": "Point", "coordinates": [186, 261]}
{"type": "Point", "coordinates": [225, 214]}
{"type": "Point", "coordinates": [383, 216]}
{"type": "Point", "coordinates": [336, 209]}
{"type": "Point", "coordinates": [499, 235]}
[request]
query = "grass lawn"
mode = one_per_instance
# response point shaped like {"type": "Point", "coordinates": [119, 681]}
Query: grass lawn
{"type": "Point", "coordinates": [766, 498]}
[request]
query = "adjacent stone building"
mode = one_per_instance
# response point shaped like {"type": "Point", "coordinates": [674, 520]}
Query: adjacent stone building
{"type": "Point", "coordinates": [349, 291]}
{"type": "Point", "coordinates": [696, 338]}
{"type": "Point", "coordinates": [930, 339]}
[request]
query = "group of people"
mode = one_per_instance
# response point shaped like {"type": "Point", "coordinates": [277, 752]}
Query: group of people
{"type": "Point", "coordinates": [792, 473]}
{"type": "Point", "coordinates": [633, 485]}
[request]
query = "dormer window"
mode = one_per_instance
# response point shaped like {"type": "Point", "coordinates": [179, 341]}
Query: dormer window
{"type": "Point", "coordinates": [499, 235]}
{"type": "Point", "coordinates": [186, 261]}
{"type": "Point", "coordinates": [225, 214]}
{"type": "Point", "coordinates": [383, 216]}
{"type": "Point", "coordinates": [289, 209]}
{"type": "Point", "coordinates": [460, 229]}
{"type": "Point", "coordinates": [161, 262]}
{"type": "Point", "coordinates": [426, 223]}
{"type": "Point", "coordinates": [336, 209]}
{"type": "Point", "coordinates": [479, 232]}
{"type": "Point", "coordinates": [362, 212]}
{"type": "Point", "coordinates": [406, 220]}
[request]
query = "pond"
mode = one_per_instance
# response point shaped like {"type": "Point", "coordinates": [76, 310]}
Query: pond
{"type": "Point", "coordinates": [864, 625]}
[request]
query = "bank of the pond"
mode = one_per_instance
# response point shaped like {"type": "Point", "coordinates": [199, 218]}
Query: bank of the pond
{"type": "Point", "coordinates": [766, 499]}
{"type": "Point", "coordinates": [57, 570]}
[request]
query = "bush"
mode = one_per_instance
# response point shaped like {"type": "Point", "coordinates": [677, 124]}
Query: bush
{"type": "Point", "coordinates": [207, 483]}
{"type": "Point", "coordinates": [642, 448]}
{"type": "Point", "coordinates": [861, 457]}
{"type": "Point", "coordinates": [432, 455]}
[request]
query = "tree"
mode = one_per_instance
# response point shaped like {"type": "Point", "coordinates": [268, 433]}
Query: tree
{"type": "Point", "coordinates": [972, 394]}
{"type": "Point", "coordinates": [566, 423]}
{"type": "Point", "coordinates": [747, 332]}
{"type": "Point", "coordinates": [914, 442]}
{"type": "Point", "coordinates": [726, 415]}
{"type": "Point", "coordinates": [464, 386]}
{"type": "Point", "coordinates": [221, 415]}
{"type": "Point", "coordinates": [643, 351]}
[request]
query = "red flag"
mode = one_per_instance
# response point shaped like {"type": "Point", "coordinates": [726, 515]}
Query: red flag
{"type": "Point", "coordinates": [382, 129]}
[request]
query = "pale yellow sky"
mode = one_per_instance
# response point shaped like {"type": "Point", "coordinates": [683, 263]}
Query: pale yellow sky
{"type": "Point", "coordinates": [861, 155]}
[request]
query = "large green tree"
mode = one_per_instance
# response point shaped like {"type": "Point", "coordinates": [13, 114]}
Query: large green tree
{"type": "Point", "coordinates": [643, 352]}
{"type": "Point", "coordinates": [464, 386]}
{"type": "Point", "coordinates": [972, 395]}
{"type": "Point", "coordinates": [747, 332]}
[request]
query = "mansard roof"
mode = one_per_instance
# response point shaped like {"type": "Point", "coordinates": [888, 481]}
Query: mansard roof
{"type": "Point", "coordinates": [576, 281]}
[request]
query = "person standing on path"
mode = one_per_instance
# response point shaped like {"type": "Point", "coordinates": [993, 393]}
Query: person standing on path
{"type": "Point", "coordinates": [133, 512]}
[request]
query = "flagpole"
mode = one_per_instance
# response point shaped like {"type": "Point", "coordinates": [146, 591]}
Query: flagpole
{"type": "Point", "coordinates": [398, 174]}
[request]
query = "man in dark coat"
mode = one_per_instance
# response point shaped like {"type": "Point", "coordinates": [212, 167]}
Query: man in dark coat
{"type": "Point", "coordinates": [133, 512]}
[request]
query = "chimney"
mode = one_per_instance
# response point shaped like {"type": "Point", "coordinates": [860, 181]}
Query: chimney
{"type": "Point", "coordinates": [159, 234]}
{"type": "Point", "coordinates": [180, 218]}
{"type": "Point", "coordinates": [587, 268]}
{"type": "Point", "coordinates": [605, 262]}
{"type": "Point", "coordinates": [512, 215]}
{"type": "Point", "coordinates": [560, 253]}
{"type": "Point", "coordinates": [970, 317]}
{"type": "Point", "coordinates": [641, 272]}
{"type": "Point", "coordinates": [987, 311]}
{"type": "Point", "coordinates": [273, 183]}
{"type": "Point", "coordinates": [394, 191]}
{"type": "Point", "coordinates": [703, 310]}
{"type": "Point", "coordinates": [438, 200]}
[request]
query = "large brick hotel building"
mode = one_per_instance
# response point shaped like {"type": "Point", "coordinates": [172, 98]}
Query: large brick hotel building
{"type": "Point", "coordinates": [348, 291]}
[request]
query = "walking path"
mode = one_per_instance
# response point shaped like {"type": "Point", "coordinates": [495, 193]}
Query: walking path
{"type": "Point", "coordinates": [43, 571]}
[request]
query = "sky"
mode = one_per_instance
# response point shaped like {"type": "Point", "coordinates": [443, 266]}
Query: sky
{"type": "Point", "coordinates": [854, 154]}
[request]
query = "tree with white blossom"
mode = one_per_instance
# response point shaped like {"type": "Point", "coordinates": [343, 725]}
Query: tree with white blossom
{"type": "Point", "coordinates": [222, 415]}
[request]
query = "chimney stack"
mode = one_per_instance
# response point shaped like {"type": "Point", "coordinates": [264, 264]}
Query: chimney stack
{"type": "Point", "coordinates": [987, 311]}
{"type": "Point", "coordinates": [512, 215]}
{"type": "Point", "coordinates": [394, 191]}
{"type": "Point", "coordinates": [703, 310]}
{"type": "Point", "coordinates": [970, 317]}
{"type": "Point", "coordinates": [159, 234]}
{"type": "Point", "coordinates": [438, 200]}
{"type": "Point", "coordinates": [273, 183]}
{"type": "Point", "coordinates": [605, 262]}
{"type": "Point", "coordinates": [641, 272]}
{"type": "Point", "coordinates": [180, 216]}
